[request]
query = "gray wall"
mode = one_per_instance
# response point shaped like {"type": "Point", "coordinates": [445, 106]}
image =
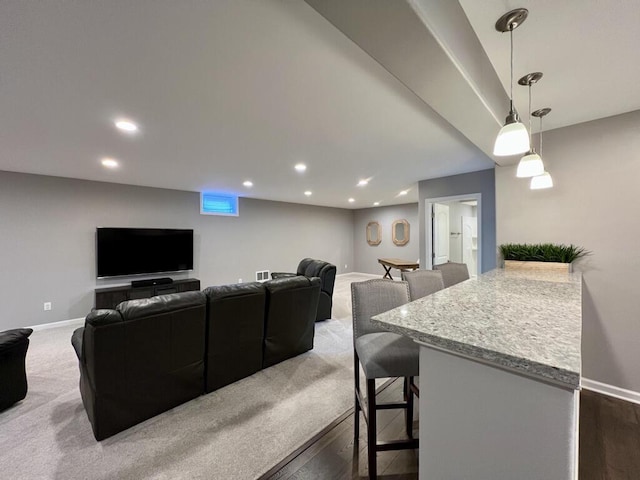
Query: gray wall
{"type": "Point", "coordinates": [482, 182]}
{"type": "Point", "coordinates": [365, 256]}
{"type": "Point", "coordinates": [594, 203]}
{"type": "Point", "coordinates": [48, 226]}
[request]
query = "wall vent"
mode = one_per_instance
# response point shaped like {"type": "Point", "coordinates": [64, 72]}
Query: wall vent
{"type": "Point", "coordinates": [262, 275]}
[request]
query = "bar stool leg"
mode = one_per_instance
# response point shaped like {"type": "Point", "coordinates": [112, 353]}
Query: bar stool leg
{"type": "Point", "coordinates": [371, 428]}
{"type": "Point", "coordinates": [356, 420]}
{"type": "Point", "coordinates": [409, 411]}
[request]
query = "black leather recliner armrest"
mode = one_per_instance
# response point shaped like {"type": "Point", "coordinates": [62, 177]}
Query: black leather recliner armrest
{"type": "Point", "coordinates": [102, 317]}
{"type": "Point", "coordinates": [13, 376]}
{"type": "Point", "coordinates": [282, 275]}
{"type": "Point", "coordinates": [76, 341]}
{"type": "Point", "coordinates": [12, 338]}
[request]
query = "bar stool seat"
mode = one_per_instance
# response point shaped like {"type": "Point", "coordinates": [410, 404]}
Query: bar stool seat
{"type": "Point", "coordinates": [387, 354]}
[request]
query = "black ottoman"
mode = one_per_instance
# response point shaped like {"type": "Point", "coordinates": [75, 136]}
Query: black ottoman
{"type": "Point", "coordinates": [13, 377]}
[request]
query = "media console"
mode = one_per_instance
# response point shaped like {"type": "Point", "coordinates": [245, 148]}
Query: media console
{"type": "Point", "coordinates": [109, 297]}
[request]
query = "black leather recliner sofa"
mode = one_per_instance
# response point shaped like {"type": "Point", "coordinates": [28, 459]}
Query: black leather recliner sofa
{"type": "Point", "coordinates": [290, 317]}
{"type": "Point", "coordinates": [141, 359]}
{"type": "Point", "coordinates": [13, 376]}
{"type": "Point", "coordinates": [326, 272]}
{"type": "Point", "coordinates": [148, 356]}
{"type": "Point", "coordinates": [235, 332]}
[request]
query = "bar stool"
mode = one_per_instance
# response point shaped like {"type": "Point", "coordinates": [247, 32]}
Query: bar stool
{"type": "Point", "coordinates": [382, 354]}
{"type": "Point", "coordinates": [453, 273]}
{"type": "Point", "coordinates": [423, 282]}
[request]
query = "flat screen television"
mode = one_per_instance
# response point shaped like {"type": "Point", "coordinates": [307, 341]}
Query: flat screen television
{"type": "Point", "coordinates": [135, 251]}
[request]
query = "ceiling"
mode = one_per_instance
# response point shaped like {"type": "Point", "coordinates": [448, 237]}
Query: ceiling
{"type": "Point", "coordinates": [586, 49]}
{"type": "Point", "coordinates": [228, 91]}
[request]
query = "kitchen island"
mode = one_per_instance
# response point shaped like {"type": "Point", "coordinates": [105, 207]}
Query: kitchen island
{"type": "Point", "coordinates": [499, 375]}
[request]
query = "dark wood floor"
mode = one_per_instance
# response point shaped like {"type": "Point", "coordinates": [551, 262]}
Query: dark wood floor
{"type": "Point", "coordinates": [609, 438]}
{"type": "Point", "coordinates": [609, 445]}
{"type": "Point", "coordinates": [333, 457]}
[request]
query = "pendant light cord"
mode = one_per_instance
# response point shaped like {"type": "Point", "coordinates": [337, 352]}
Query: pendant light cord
{"type": "Point", "coordinates": [511, 84]}
{"type": "Point", "coordinates": [530, 134]}
{"type": "Point", "coordinates": [540, 136]}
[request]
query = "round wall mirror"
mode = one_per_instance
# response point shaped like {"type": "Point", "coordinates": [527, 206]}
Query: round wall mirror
{"type": "Point", "coordinates": [400, 232]}
{"type": "Point", "coordinates": [374, 233]}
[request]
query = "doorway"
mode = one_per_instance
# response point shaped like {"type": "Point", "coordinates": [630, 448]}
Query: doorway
{"type": "Point", "coordinates": [453, 231]}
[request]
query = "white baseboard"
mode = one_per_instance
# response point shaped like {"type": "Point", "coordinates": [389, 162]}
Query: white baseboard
{"type": "Point", "coordinates": [611, 390]}
{"type": "Point", "coordinates": [46, 326]}
{"type": "Point", "coordinates": [372, 275]}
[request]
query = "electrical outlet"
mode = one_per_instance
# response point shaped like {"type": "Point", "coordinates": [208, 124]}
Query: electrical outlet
{"type": "Point", "coordinates": [47, 306]}
{"type": "Point", "coordinates": [345, 266]}
{"type": "Point", "coordinates": [239, 280]}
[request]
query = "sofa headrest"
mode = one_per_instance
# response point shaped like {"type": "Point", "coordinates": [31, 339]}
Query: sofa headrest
{"type": "Point", "coordinates": [13, 338]}
{"type": "Point", "coordinates": [314, 268]}
{"type": "Point", "coordinates": [146, 307]}
{"type": "Point", "coordinates": [220, 292]}
{"type": "Point", "coordinates": [291, 283]}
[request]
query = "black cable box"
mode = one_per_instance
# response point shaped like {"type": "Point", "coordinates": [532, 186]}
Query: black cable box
{"type": "Point", "coordinates": [151, 282]}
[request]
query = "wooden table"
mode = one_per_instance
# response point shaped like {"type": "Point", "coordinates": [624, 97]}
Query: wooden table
{"type": "Point", "coordinates": [389, 263]}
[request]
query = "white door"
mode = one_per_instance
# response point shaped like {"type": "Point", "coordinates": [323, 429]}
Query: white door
{"type": "Point", "coordinates": [440, 233]}
{"type": "Point", "coordinates": [469, 244]}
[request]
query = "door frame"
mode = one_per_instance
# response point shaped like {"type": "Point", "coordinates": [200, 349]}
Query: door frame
{"type": "Point", "coordinates": [428, 203]}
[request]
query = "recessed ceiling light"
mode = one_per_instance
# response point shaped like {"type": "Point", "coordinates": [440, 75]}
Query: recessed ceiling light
{"type": "Point", "coordinates": [126, 125]}
{"type": "Point", "coordinates": [109, 162]}
{"type": "Point", "coordinates": [248, 183]}
{"type": "Point", "coordinates": [308, 193]}
{"type": "Point", "coordinates": [300, 167]}
{"type": "Point", "coordinates": [351, 200]}
{"type": "Point", "coordinates": [375, 204]}
{"type": "Point", "coordinates": [403, 192]}
{"type": "Point", "coordinates": [363, 182]}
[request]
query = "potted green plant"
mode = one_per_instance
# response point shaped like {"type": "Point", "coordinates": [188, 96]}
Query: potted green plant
{"type": "Point", "coordinates": [540, 256]}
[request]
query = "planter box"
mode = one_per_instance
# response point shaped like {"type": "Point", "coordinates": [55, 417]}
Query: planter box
{"type": "Point", "coordinates": [538, 266]}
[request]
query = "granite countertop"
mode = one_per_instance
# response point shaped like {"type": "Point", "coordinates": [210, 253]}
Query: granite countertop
{"type": "Point", "coordinates": [527, 322]}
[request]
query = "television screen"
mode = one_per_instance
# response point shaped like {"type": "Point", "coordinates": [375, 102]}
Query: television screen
{"type": "Point", "coordinates": [132, 251]}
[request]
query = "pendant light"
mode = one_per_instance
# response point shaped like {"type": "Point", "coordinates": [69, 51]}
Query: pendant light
{"type": "Point", "coordinates": [512, 138]}
{"type": "Point", "coordinates": [531, 164]}
{"type": "Point", "coordinates": [541, 181]}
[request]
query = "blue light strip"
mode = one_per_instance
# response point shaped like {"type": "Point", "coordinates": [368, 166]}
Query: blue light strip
{"type": "Point", "coordinates": [218, 204]}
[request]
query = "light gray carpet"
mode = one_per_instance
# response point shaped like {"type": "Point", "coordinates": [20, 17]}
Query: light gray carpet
{"type": "Point", "coordinates": [238, 432]}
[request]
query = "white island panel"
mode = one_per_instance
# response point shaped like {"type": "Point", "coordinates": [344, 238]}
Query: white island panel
{"type": "Point", "coordinates": [478, 422]}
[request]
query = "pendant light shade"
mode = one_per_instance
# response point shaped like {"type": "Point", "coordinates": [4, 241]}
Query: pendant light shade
{"type": "Point", "coordinates": [541, 181]}
{"type": "Point", "coordinates": [512, 138]}
{"type": "Point", "coordinates": [530, 165]}
{"type": "Point", "coordinates": [544, 180]}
